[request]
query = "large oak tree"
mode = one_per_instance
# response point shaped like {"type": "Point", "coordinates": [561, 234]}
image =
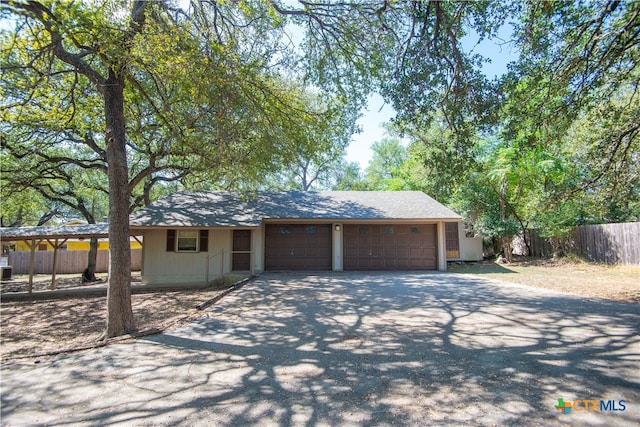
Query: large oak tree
{"type": "Point", "coordinates": [201, 89]}
{"type": "Point", "coordinates": [96, 45]}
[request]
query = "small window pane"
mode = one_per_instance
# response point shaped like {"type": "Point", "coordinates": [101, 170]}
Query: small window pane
{"type": "Point", "coordinates": [414, 230]}
{"type": "Point", "coordinates": [389, 230]}
{"type": "Point", "coordinates": [187, 241]}
{"type": "Point", "coordinates": [312, 229]}
{"type": "Point", "coordinates": [285, 230]}
{"type": "Point", "coordinates": [363, 230]}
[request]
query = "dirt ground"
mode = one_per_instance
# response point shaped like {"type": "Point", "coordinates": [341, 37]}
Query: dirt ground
{"type": "Point", "coordinates": [44, 326]}
{"type": "Point", "coordinates": [618, 283]}
{"type": "Point", "coordinates": [42, 282]}
{"type": "Point", "coordinates": [40, 327]}
{"type": "Point", "coordinates": [354, 349]}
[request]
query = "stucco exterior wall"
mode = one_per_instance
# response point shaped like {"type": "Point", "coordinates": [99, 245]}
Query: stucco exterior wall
{"type": "Point", "coordinates": [337, 246]}
{"type": "Point", "coordinates": [257, 250]}
{"type": "Point", "coordinates": [162, 267]}
{"type": "Point", "coordinates": [470, 247]}
{"type": "Point", "coordinates": [441, 246]}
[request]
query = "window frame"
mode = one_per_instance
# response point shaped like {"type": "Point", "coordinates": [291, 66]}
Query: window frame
{"type": "Point", "coordinates": [195, 235]}
{"type": "Point", "coordinates": [175, 236]}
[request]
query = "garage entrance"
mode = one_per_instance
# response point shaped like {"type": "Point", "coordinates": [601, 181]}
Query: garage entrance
{"type": "Point", "coordinates": [298, 247]}
{"type": "Point", "coordinates": [390, 247]}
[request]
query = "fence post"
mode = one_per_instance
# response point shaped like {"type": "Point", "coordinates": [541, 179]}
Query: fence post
{"type": "Point", "coordinates": [55, 263]}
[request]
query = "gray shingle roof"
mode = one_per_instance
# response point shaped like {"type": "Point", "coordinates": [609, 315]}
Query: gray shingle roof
{"type": "Point", "coordinates": [57, 231]}
{"type": "Point", "coordinates": [221, 208]}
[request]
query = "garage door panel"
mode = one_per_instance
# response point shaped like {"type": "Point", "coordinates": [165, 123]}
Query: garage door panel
{"type": "Point", "coordinates": [298, 247]}
{"type": "Point", "coordinates": [431, 249]}
{"type": "Point", "coordinates": [377, 263]}
{"type": "Point", "coordinates": [415, 252]}
{"type": "Point", "coordinates": [389, 246]}
{"type": "Point", "coordinates": [366, 264]}
{"type": "Point", "coordinates": [296, 263]}
{"type": "Point", "coordinates": [322, 243]}
{"type": "Point", "coordinates": [402, 252]}
{"type": "Point", "coordinates": [350, 252]}
{"type": "Point", "coordinates": [390, 264]}
{"type": "Point", "coordinates": [416, 263]}
{"type": "Point", "coordinates": [285, 252]}
{"type": "Point", "coordinates": [402, 240]}
{"type": "Point", "coordinates": [375, 230]}
{"type": "Point", "coordinates": [318, 252]}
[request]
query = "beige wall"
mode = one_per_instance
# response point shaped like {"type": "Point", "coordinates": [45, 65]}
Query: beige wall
{"type": "Point", "coordinates": [441, 246]}
{"type": "Point", "coordinates": [162, 267]}
{"type": "Point", "coordinates": [257, 248]}
{"type": "Point", "coordinates": [337, 246]}
{"type": "Point", "coordinates": [470, 247]}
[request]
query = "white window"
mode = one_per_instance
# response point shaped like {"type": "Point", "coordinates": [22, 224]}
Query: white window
{"type": "Point", "coordinates": [187, 241]}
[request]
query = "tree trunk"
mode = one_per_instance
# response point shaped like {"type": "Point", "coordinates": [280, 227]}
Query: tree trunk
{"type": "Point", "coordinates": [557, 246]}
{"type": "Point", "coordinates": [120, 319]}
{"type": "Point", "coordinates": [89, 274]}
{"type": "Point", "coordinates": [507, 248]}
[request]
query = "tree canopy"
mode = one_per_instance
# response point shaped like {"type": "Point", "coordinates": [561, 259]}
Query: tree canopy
{"type": "Point", "coordinates": [129, 99]}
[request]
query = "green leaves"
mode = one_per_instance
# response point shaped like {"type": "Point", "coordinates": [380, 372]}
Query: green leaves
{"type": "Point", "coordinates": [384, 170]}
{"type": "Point", "coordinates": [218, 95]}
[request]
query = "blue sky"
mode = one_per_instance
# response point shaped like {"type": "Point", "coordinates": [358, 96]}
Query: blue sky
{"type": "Point", "coordinates": [378, 112]}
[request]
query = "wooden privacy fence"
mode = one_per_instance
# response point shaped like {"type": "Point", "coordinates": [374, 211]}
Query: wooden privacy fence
{"type": "Point", "coordinates": [69, 262]}
{"type": "Point", "coordinates": [604, 243]}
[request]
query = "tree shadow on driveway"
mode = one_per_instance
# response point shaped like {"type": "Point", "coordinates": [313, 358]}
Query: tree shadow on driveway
{"type": "Point", "coordinates": [359, 349]}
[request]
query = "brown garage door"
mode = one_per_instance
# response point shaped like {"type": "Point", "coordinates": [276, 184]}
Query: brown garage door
{"type": "Point", "coordinates": [298, 247]}
{"type": "Point", "coordinates": [389, 247]}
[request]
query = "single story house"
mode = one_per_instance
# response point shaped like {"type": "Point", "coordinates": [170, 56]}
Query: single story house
{"type": "Point", "coordinates": [196, 236]}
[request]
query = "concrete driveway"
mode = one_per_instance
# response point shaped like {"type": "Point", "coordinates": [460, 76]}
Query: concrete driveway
{"type": "Point", "coordinates": [353, 349]}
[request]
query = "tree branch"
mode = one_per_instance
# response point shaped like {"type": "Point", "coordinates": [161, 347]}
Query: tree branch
{"type": "Point", "coordinates": [44, 15]}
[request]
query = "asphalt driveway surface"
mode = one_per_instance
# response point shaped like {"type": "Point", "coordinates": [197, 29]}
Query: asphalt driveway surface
{"type": "Point", "coordinates": [353, 349]}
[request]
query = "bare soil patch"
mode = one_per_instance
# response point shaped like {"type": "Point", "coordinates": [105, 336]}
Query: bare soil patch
{"type": "Point", "coordinates": [37, 327]}
{"type": "Point", "coordinates": [619, 283]}
{"type": "Point", "coordinates": [44, 326]}
{"type": "Point", "coordinates": [42, 282]}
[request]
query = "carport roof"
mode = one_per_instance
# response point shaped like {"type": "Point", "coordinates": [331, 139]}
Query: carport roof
{"type": "Point", "coordinates": [224, 209]}
{"type": "Point", "coordinates": [55, 232]}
